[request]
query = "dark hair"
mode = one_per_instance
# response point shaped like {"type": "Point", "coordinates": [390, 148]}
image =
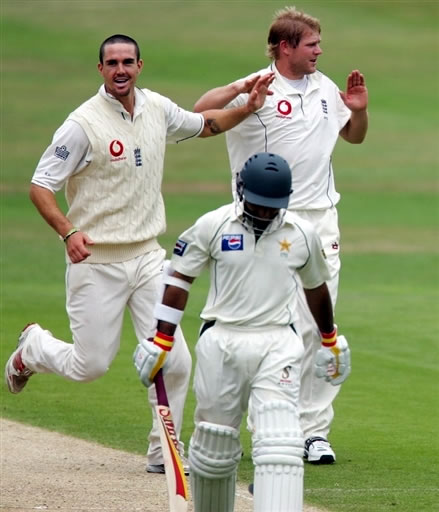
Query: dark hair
{"type": "Point", "coordinates": [118, 38]}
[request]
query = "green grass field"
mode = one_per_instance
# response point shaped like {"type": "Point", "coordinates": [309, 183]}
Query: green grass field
{"type": "Point", "coordinates": [385, 428]}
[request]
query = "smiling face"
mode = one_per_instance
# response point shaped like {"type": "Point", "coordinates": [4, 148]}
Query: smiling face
{"type": "Point", "coordinates": [120, 69]}
{"type": "Point", "coordinates": [302, 60]}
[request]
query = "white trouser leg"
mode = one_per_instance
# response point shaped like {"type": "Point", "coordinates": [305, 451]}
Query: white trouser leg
{"type": "Point", "coordinates": [177, 375]}
{"type": "Point", "coordinates": [96, 299]}
{"type": "Point", "coordinates": [263, 365]}
{"type": "Point", "coordinates": [317, 395]}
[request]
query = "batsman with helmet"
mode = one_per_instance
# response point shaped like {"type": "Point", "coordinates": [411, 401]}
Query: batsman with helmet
{"type": "Point", "coordinates": [249, 352]}
{"type": "Point", "coordinates": [302, 121]}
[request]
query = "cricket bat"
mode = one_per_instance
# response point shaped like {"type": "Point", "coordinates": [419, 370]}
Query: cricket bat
{"type": "Point", "coordinates": [175, 477]}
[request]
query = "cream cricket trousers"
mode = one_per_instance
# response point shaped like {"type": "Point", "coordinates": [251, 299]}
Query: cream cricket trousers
{"type": "Point", "coordinates": [317, 395]}
{"type": "Point", "coordinates": [239, 369]}
{"type": "Point", "coordinates": [97, 296]}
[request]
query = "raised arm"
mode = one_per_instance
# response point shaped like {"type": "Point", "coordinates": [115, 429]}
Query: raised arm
{"type": "Point", "coordinates": [356, 99]}
{"type": "Point", "coordinates": [219, 97]}
{"type": "Point", "coordinates": [218, 121]}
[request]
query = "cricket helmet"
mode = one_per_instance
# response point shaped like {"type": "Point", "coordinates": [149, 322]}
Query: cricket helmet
{"type": "Point", "coordinates": [265, 180]}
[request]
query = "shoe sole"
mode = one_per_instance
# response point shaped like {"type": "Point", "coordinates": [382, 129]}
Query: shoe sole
{"type": "Point", "coordinates": [324, 459]}
{"type": "Point", "coordinates": [9, 368]}
{"type": "Point", "coordinates": [8, 372]}
{"type": "Point", "coordinates": [155, 471]}
{"type": "Point", "coordinates": [9, 376]}
{"type": "Point", "coordinates": [160, 471]}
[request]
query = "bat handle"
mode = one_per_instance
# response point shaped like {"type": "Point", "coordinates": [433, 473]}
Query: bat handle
{"type": "Point", "coordinates": [162, 397]}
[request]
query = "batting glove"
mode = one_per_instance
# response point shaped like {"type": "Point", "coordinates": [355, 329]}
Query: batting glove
{"type": "Point", "coordinates": [150, 355]}
{"type": "Point", "coordinates": [333, 359]}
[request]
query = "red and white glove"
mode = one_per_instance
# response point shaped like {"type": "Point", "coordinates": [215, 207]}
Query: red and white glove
{"type": "Point", "coordinates": [333, 359]}
{"type": "Point", "coordinates": [150, 355]}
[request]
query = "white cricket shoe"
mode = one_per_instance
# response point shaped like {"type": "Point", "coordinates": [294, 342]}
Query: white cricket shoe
{"type": "Point", "coordinates": [16, 373]}
{"type": "Point", "coordinates": [319, 451]}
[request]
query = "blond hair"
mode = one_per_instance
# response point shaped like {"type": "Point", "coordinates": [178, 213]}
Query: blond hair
{"type": "Point", "coordinates": [289, 25]}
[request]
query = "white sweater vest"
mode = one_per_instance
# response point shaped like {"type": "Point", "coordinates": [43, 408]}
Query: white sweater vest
{"type": "Point", "coordinates": [117, 198]}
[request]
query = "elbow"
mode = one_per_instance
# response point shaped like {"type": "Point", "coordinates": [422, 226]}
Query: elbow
{"type": "Point", "coordinates": [37, 194]}
{"type": "Point", "coordinates": [32, 192]}
{"type": "Point", "coordinates": [198, 107]}
{"type": "Point", "coordinates": [359, 138]}
{"type": "Point", "coordinates": [205, 133]}
{"type": "Point", "coordinates": [211, 125]}
{"type": "Point", "coordinates": [354, 137]}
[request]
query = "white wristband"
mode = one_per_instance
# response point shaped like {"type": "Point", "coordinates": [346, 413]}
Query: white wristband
{"type": "Point", "coordinates": [167, 314]}
{"type": "Point", "coordinates": [177, 281]}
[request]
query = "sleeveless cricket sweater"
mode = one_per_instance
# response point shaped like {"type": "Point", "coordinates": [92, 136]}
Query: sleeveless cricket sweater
{"type": "Point", "coordinates": [117, 198]}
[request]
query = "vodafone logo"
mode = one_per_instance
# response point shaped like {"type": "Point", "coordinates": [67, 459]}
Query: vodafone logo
{"type": "Point", "coordinates": [284, 108]}
{"type": "Point", "coordinates": [116, 147]}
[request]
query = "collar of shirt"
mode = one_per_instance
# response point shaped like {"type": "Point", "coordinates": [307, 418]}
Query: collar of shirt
{"type": "Point", "coordinates": [139, 101]}
{"type": "Point", "coordinates": [281, 83]}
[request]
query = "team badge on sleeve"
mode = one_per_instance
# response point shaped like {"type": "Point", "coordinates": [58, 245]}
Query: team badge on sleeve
{"type": "Point", "coordinates": [180, 247]}
{"type": "Point", "coordinates": [232, 243]}
{"type": "Point", "coordinates": [61, 152]}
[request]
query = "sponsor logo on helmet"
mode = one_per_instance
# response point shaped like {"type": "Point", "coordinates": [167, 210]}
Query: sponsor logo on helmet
{"type": "Point", "coordinates": [232, 243]}
{"type": "Point", "coordinates": [180, 247]}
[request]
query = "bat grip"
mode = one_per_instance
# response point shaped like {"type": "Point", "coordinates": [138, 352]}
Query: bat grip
{"type": "Point", "coordinates": [162, 397]}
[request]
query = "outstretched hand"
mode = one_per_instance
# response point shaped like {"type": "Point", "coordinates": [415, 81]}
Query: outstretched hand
{"type": "Point", "coordinates": [257, 87]}
{"type": "Point", "coordinates": [356, 96]}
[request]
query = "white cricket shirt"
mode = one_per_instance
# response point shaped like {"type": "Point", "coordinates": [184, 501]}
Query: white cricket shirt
{"type": "Point", "coordinates": [112, 168]}
{"type": "Point", "coordinates": [70, 150]}
{"type": "Point", "coordinates": [251, 283]}
{"type": "Point", "coordinates": [302, 128]}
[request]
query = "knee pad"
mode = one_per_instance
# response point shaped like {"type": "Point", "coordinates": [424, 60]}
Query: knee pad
{"type": "Point", "coordinates": [278, 458]}
{"type": "Point", "coordinates": [214, 455]}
